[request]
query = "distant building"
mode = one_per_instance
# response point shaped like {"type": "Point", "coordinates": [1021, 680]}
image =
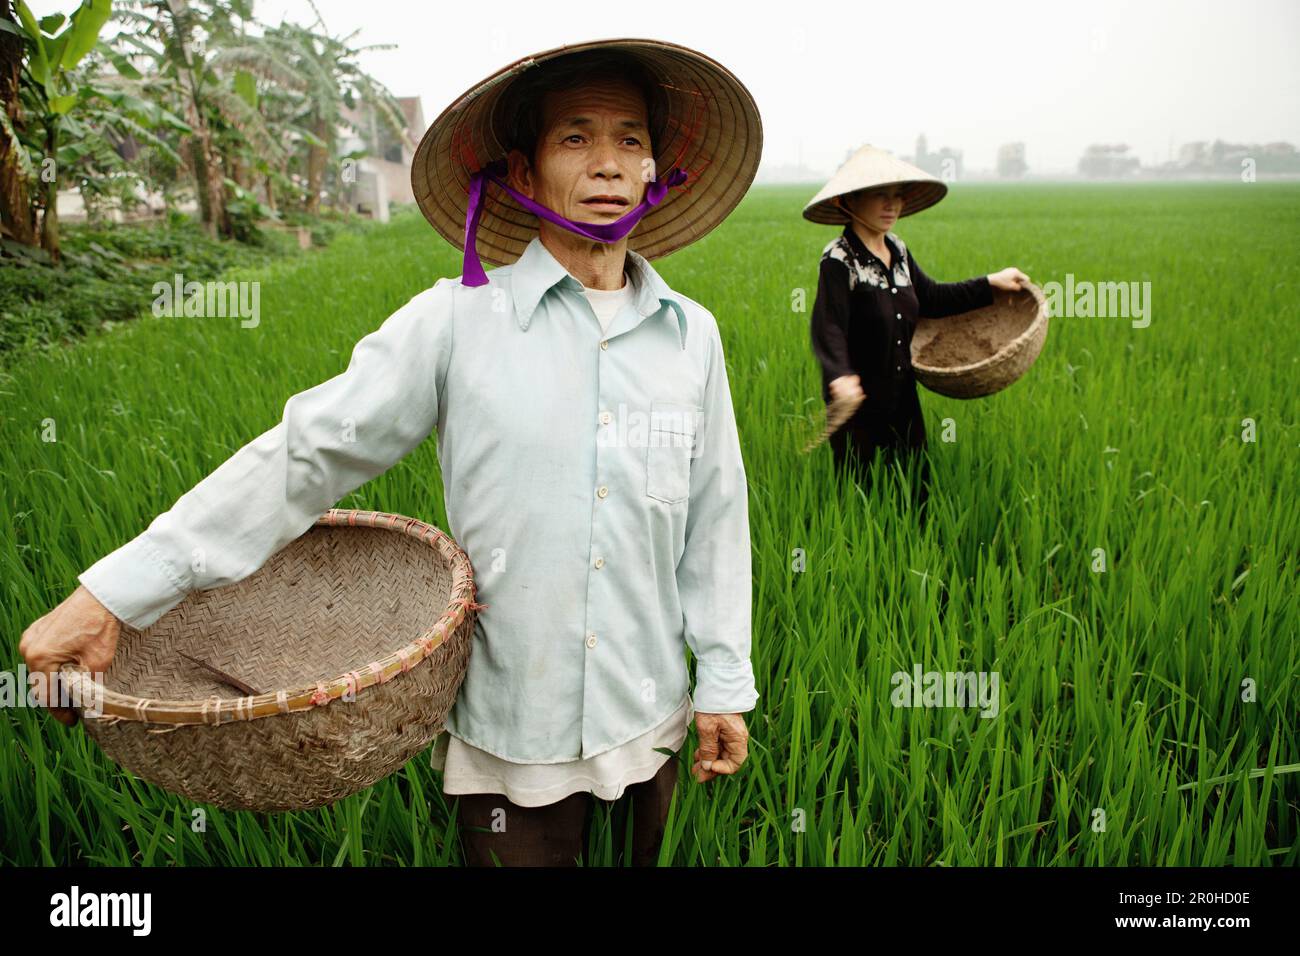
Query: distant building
{"type": "Point", "coordinates": [1011, 161]}
{"type": "Point", "coordinates": [1192, 155]}
{"type": "Point", "coordinates": [945, 163]}
{"type": "Point", "coordinates": [382, 176]}
{"type": "Point", "coordinates": [1107, 161]}
{"type": "Point", "coordinates": [1219, 157]}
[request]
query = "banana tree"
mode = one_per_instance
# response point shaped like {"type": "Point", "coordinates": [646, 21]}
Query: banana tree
{"type": "Point", "coordinates": [255, 145]}
{"type": "Point", "coordinates": [123, 135]}
{"type": "Point", "coordinates": [265, 74]}
{"type": "Point", "coordinates": [181, 37]}
{"type": "Point", "coordinates": [332, 80]}
{"type": "Point", "coordinates": [17, 215]}
{"type": "Point", "coordinates": [52, 89]}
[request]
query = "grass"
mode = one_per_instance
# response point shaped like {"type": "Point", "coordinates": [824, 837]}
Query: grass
{"type": "Point", "coordinates": [1148, 712]}
{"type": "Point", "coordinates": [106, 272]}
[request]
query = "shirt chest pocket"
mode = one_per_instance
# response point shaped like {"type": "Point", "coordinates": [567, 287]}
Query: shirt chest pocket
{"type": "Point", "coordinates": [670, 446]}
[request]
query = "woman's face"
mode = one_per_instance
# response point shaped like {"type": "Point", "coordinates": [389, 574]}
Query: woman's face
{"type": "Point", "coordinates": [879, 208]}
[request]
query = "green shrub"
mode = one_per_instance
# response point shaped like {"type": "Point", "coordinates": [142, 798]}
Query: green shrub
{"type": "Point", "coordinates": [108, 272]}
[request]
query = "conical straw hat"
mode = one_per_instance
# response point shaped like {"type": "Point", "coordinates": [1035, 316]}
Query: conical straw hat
{"type": "Point", "coordinates": [713, 132]}
{"type": "Point", "coordinates": [868, 168]}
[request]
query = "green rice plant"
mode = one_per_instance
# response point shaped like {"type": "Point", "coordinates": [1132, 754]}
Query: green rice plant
{"type": "Point", "coordinates": [1147, 712]}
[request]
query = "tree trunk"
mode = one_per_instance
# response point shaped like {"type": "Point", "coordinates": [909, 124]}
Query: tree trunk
{"type": "Point", "coordinates": [17, 215]}
{"type": "Point", "coordinates": [270, 193]}
{"type": "Point", "coordinates": [202, 191]}
{"type": "Point", "coordinates": [316, 168]}
{"type": "Point", "coordinates": [208, 178]}
{"type": "Point", "coordinates": [206, 166]}
{"type": "Point", "coordinates": [50, 221]}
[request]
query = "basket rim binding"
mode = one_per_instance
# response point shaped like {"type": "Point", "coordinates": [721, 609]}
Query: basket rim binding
{"type": "Point", "coordinates": [117, 706]}
{"type": "Point", "coordinates": [1011, 347]}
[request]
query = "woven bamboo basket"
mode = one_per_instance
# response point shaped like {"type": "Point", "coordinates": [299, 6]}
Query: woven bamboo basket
{"type": "Point", "coordinates": [354, 639]}
{"type": "Point", "coordinates": [983, 351]}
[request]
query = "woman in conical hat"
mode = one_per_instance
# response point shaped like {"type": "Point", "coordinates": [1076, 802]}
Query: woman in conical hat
{"type": "Point", "coordinates": [870, 293]}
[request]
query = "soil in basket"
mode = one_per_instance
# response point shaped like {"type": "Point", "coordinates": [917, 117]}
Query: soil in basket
{"type": "Point", "coordinates": [955, 348]}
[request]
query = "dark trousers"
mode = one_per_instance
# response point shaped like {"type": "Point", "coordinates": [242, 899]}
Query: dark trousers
{"type": "Point", "coordinates": [558, 834]}
{"type": "Point", "coordinates": [856, 445]}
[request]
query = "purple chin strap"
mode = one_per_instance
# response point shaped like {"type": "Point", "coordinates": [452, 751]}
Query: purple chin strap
{"type": "Point", "coordinates": [599, 232]}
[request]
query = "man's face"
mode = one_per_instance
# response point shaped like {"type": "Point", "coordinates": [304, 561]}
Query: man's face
{"type": "Point", "coordinates": [594, 155]}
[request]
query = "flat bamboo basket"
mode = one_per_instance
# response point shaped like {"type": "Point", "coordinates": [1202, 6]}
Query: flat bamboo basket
{"type": "Point", "coordinates": [319, 674]}
{"type": "Point", "coordinates": [983, 351]}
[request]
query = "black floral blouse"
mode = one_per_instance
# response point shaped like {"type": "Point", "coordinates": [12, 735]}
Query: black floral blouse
{"type": "Point", "coordinates": [863, 319]}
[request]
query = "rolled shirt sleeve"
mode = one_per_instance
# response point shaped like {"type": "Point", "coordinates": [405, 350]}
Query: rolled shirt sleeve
{"type": "Point", "coordinates": [938, 300]}
{"type": "Point", "coordinates": [332, 438]}
{"type": "Point", "coordinates": [714, 574]}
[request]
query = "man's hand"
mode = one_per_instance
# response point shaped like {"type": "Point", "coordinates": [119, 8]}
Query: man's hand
{"type": "Point", "coordinates": [847, 387]}
{"type": "Point", "coordinates": [724, 745]}
{"type": "Point", "coordinates": [1009, 279]}
{"type": "Point", "coordinates": [80, 631]}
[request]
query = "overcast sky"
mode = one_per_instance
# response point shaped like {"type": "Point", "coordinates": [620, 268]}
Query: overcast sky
{"type": "Point", "coordinates": [830, 76]}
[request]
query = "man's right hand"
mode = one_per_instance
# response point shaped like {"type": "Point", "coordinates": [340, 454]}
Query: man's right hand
{"type": "Point", "coordinates": [847, 387]}
{"type": "Point", "coordinates": [80, 631]}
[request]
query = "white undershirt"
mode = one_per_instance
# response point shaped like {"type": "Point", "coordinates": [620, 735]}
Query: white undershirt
{"type": "Point", "coordinates": [606, 302]}
{"type": "Point", "coordinates": [467, 769]}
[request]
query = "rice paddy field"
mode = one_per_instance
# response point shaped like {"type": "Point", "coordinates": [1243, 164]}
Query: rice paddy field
{"type": "Point", "coordinates": [1116, 537]}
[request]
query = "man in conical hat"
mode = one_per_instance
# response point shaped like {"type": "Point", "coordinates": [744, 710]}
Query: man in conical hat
{"type": "Point", "coordinates": [591, 466]}
{"type": "Point", "coordinates": [870, 293]}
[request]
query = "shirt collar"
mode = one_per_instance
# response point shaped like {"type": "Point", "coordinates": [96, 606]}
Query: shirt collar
{"type": "Point", "coordinates": [860, 247]}
{"type": "Point", "coordinates": [537, 271]}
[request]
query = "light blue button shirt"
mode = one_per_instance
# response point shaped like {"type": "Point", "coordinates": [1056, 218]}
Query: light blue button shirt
{"type": "Point", "coordinates": [594, 479]}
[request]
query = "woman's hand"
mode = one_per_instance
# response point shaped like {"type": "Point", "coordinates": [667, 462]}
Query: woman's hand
{"type": "Point", "coordinates": [1009, 279]}
{"type": "Point", "coordinates": [847, 387]}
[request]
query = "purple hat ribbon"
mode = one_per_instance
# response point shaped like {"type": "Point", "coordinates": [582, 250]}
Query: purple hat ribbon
{"type": "Point", "coordinates": [598, 232]}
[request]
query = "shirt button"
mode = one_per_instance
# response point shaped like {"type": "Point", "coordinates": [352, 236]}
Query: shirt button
{"type": "Point", "coordinates": [898, 341]}
{"type": "Point", "coordinates": [895, 291]}
{"type": "Point", "coordinates": [605, 344]}
{"type": "Point", "coordinates": [898, 315]}
{"type": "Point", "coordinates": [591, 638]}
{"type": "Point", "coordinates": [602, 491]}
{"type": "Point", "coordinates": [898, 368]}
{"type": "Point", "coordinates": [600, 562]}
{"type": "Point", "coordinates": [605, 418]}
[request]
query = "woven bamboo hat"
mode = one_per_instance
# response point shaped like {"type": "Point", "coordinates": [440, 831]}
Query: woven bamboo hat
{"type": "Point", "coordinates": [869, 168]}
{"type": "Point", "coordinates": [712, 130]}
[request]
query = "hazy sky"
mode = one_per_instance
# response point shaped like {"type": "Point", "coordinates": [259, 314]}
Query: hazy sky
{"type": "Point", "coordinates": [830, 76]}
